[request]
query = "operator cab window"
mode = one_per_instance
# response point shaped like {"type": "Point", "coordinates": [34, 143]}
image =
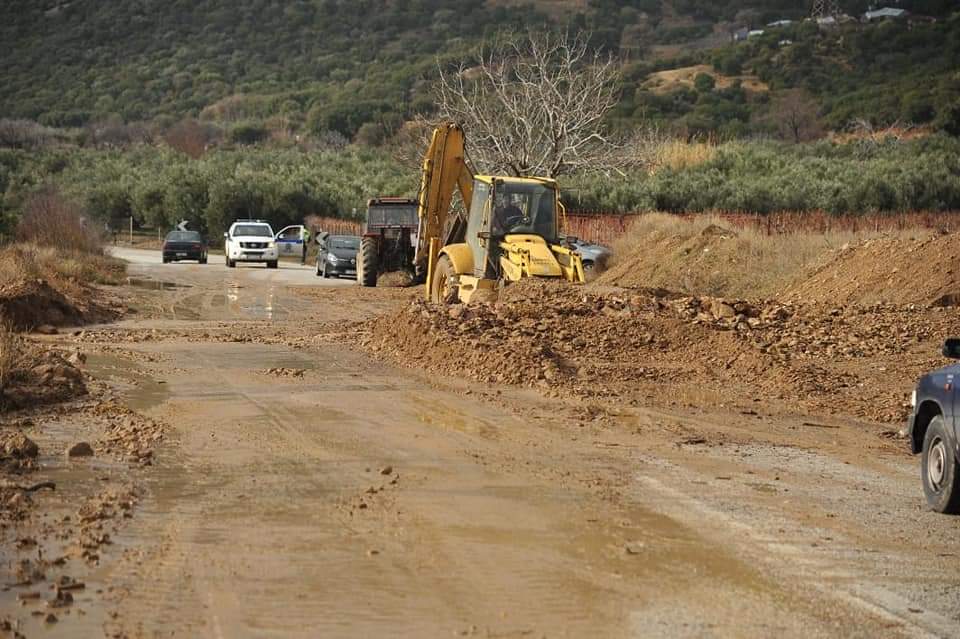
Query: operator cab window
{"type": "Point", "coordinates": [525, 208]}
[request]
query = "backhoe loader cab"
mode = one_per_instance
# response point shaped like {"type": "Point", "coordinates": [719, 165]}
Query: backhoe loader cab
{"type": "Point", "coordinates": [510, 230]}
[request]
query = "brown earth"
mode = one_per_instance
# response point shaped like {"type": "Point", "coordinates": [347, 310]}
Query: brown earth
{"type": "Point", "coordinates": [631, 462]}
{"type": "Point", "coordinates": [44, 286]}
{"type": "Point", "coordinates": [605, 342]}
{"type": "Point", "coordinates": [700, 261]}
{"type": "Point", "coordinates": [924, 271]}
{"type": "Point", "coordinates": [672, 79]}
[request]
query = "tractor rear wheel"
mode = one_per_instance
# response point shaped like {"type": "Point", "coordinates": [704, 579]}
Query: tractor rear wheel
{"type": "Point", "coordinates": [367, 264]}
{"type": "Point", "coordinates": [441, 290]}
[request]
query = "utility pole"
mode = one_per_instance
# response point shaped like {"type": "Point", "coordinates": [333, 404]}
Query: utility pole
{"type": "Point", "coordinates": [824, 9]}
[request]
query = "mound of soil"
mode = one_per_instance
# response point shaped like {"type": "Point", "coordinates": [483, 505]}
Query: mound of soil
{"type": "Point", "coordinates": [618, 343]}
{"type": "Point", "coordinates": [889, 270]}
{"type": "Point", "coordinates": [27, 303]}
{"type": "Point", "coordinates": [670, 260]}
{"type": "Point", "coordinates": [41, 377]}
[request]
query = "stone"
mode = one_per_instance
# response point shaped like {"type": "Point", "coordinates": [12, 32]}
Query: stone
{"type": "Point", "coordinates": [80, 449]}
{"type": "Point", "coordinates": [20, 446]}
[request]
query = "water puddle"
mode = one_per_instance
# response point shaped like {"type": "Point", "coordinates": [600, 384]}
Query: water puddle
{"type": "Point", "coordinates": [154, 285]}
{"type": "Point", "coordinates": [140, 391]}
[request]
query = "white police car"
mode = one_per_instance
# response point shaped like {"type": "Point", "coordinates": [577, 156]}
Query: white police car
{"type": "Point", "coordinates": [250, 241]}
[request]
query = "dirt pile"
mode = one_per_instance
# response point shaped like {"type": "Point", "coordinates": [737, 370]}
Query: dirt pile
{"type": "Point", "coordinates": [29, 303]}
{"type": "Point", "coordinates": [617, 343]}
{"type": "Point", "coordinates": [17, 452]}
{"type": "Point", "coordinates": [41, 286]}
{"type": "Point", "coordinates": [892, 270]}
{"type": "Point", "coordinates": [41, 376]}
{"type": "Point", "coordinates": [694, 260]}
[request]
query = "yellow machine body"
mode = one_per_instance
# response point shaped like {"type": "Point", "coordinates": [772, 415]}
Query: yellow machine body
{"type": "Point", "coordinates": [507, 234]}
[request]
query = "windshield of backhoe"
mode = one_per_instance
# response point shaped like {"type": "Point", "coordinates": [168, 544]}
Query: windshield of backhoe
{"type": "Point", "coordinates": [524, 207]}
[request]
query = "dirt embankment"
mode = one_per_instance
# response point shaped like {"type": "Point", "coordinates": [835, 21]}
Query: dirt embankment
{"type": "Point", "coordinates": [637, 345]}
{"type": "Point", "coordinates": [849, 334]}
{"type": "Point", "coordinates": [704, 256]}
{"type": "Point", "coordinates": [924, 271]}
{"type": "Point", "coordinates": [46, 286]}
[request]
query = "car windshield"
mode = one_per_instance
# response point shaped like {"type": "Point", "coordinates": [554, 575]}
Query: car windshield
{"type": "Point", "coordinates": [252, 230]}
{"type": "Point", "coordinates": [344, 242]}
{"type": "Point", "coordinates": [183, 236]}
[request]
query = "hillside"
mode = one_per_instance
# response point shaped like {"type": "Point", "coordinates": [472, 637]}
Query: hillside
{"type": "Point", "coordinates": [321, 65]}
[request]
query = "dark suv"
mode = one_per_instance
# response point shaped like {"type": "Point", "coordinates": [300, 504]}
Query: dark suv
{"type": "Point", "coordinates": [184, 245]}
{"type": "Point", "coordinates": [932, 430]}
{"type": "Point", "coordinates": [337, 255]}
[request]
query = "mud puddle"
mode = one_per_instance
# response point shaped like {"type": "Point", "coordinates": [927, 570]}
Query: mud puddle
{"type": "Point", "coordinates": [140, 391]}
{"type": "Point", "coordinates": [57, 545]}
{"type": "Point", "coordinates": [155, 285]}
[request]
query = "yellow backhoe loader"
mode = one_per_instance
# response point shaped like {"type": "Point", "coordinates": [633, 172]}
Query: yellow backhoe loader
{"type": "Point", "coordinates": [510, 229]}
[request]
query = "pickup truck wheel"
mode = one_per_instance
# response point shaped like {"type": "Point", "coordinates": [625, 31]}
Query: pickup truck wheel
{"type": "Point", "coordinates": [272, 264]}
{"type": "Point", "coordinates": [938, 468]}
{"type": "Point", "coordinates": [230, 263]}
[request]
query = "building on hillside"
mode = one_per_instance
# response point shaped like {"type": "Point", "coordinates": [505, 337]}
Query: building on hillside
{"type": "Point", "coordinates": [754, 33]}
{"type": "Point", "coordinates": [916, 19]}
{"type": "Point", "coordinates": [885, 13]}
{"type": "Point", "coordinates": [780, 23]}
{"type": "Point", "coordinates": [740, 34]}
{"type": "Point", "coordinates": [828, 22]}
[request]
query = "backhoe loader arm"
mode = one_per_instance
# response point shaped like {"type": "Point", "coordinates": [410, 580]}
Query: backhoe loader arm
{"type": "Point", "coordinates": [445, 168]}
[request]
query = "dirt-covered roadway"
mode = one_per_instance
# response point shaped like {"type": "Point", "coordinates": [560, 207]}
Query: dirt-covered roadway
{"type": "Point", "coordinates": [305, 489]}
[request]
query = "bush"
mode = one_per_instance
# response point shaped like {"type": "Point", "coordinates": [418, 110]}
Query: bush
{"type": "Point", "coordinates": [49, 219]}
{"type": "Point", "coordinates": [867, 176]}
{"type": "Point", "coordinates": [249, 133]}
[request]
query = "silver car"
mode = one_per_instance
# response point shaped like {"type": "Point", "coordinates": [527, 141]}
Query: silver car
{"type": "Point", "coordinates": [593, 255]}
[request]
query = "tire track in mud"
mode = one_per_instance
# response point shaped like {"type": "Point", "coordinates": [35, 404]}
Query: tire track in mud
{"type": "Point", "coordinates": [791, 559]}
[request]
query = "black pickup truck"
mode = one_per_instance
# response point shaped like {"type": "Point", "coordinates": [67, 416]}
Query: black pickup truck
{"type": "Point", "coordinates": [932, 430]}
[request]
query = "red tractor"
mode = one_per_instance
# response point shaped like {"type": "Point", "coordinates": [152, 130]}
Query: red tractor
{"type": "Point", "coordinates": [389, 240]}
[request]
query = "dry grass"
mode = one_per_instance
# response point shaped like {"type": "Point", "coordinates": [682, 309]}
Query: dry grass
{"type": "Point", "coordinates": [30, 261]}
{"type": "Point", "coordinates": [704, 255]}
{"type": "Point", "coordinates": [679, 155]}
{"type": "Point", "coordinates": [672, 79]}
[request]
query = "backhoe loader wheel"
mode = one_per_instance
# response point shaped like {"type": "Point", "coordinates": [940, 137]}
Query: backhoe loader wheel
{"type": "Point", "coordinates": [441, 290]}
{"type": "Point", "coordinates": [367, 267]}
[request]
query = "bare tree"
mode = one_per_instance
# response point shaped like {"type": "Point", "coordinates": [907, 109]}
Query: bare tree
{"type": "Point", "coordinates": [191, 137]}
{"type": "Point", "coordinates": [535, 105]}
{"type": "Point", "coordinates": [795, 114]}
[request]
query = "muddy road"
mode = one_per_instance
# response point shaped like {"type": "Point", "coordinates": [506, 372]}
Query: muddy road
{"type": "Point", "coordinates": [305, 489]}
